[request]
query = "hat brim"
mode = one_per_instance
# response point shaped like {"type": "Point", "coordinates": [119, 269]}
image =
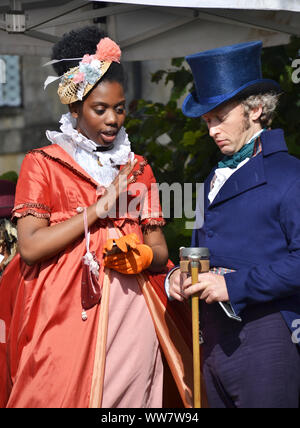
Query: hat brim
{"type": "Point", "coordinates": [193, 108]}
{"type": "Point", "coordinates": [68, 90]}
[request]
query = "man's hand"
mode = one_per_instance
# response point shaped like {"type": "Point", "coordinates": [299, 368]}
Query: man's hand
{"type": "Point", "coordinates": [175, 289]}
{"type": "Point", "coordinates": [211, 287]}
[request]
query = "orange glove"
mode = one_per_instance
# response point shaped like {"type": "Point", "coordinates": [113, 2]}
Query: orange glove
{"type": "Point", "coordinates": [131, 261]}
{"type": "Point", "coordinates": [124, 244]}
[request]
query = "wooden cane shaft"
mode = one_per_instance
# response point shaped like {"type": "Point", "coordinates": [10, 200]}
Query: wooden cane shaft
{"type": "Point", "coordinates": [196, 347]}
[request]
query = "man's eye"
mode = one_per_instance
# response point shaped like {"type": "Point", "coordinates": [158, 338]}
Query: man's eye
{"type": "Point", "coordinates": [100, 112]}
{"type": "Point", "coordinates": [120, 110]}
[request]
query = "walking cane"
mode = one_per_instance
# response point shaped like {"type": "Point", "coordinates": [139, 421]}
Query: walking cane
{"type": "Point", "coordinates": [193, 261]}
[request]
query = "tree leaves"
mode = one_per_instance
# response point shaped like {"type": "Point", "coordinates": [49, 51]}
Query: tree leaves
{"type": "Point", "coordinates": [10, 176]}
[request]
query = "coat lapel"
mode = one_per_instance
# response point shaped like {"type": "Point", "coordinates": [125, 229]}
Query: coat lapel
{"type": "Point", "coordinates": [251, 175]}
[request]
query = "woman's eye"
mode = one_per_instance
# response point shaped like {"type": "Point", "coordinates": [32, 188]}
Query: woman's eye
{"type": "Point", "coordinates": [100, 112]}
{"type": "Point", "coordinates": [120, 110]}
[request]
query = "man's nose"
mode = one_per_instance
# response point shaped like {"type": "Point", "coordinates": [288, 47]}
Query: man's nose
{"type": "Point", "coordinates": [213, 130]}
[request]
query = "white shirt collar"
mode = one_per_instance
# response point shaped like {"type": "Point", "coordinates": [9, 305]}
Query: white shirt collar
{"type": "Point", "coordinates": [222, 174]}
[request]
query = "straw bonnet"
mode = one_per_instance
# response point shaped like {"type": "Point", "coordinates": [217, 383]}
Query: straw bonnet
{"type": "Point", "coordinates": [77, 82]}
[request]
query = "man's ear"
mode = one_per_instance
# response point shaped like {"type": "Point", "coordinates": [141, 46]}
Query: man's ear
{"type": "Point", "coordinates": [256, 113]}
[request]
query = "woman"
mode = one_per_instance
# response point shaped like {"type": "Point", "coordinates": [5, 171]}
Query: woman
{"type": "Point", "coordinates": [80, 333]}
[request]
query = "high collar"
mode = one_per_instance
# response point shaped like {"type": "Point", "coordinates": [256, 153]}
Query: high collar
{"type": "Point", "coordinates": [273, 141]}
{"type": "Point", "coordinates": [71, 140]}
{"type": "Point", "coordinates": [252, 174]}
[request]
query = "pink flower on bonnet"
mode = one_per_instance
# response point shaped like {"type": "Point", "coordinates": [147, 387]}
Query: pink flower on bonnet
{"type": "Point", "coordinates": [108, 50]}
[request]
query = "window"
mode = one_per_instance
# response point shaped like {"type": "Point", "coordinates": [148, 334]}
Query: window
{"type": "Point", "coordinates": [10, 81]}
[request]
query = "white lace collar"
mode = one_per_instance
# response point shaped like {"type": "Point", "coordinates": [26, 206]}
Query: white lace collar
{"type": "Point", "coordinates": [71, 140]}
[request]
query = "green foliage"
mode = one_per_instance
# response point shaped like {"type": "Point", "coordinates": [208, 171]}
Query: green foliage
{"type": "Point", "coordinates": [277, 65]}
{"type": "Point", "coordinates": [187, 153]}
{"type": "Point", "coordinates": [10, 176]}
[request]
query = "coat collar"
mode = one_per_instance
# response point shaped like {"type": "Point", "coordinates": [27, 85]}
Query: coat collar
{"type": "Point", "coordinates": [252, 174]}
{"type": "Point", "coordinates": [273, 141]}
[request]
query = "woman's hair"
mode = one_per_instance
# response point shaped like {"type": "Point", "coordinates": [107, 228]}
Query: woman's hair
{"type": "Point", "coordinates": [269, 103]}
{"type": "Point", "coordinates": [76, 44]}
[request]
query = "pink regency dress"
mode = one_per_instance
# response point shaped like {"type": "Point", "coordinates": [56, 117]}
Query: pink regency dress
{"type": "Point", "coordinates": [52, 358]}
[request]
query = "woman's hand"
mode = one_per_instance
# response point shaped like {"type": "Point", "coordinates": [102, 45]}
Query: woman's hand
{"type": "Point", "coordinates": [107, 203]}
{"type": "Point", "coordinates": [131, 262]}
{"type": "Point", "coordinates": [123, 244]}
{"type": "Point", "coordinates": [37, 241]}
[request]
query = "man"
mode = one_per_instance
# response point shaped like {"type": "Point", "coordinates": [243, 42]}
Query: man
{"type": "Point", "coordinates": [252, 229]}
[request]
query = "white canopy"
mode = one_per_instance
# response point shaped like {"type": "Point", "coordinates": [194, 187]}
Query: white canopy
{"type": "Point", "coordinates": [153, 29]}
{"type": "Point", "coordinates": [290, 5]}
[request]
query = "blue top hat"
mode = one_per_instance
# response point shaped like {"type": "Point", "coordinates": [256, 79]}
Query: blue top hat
{"type": "Point", "coordinates": [224, 73]}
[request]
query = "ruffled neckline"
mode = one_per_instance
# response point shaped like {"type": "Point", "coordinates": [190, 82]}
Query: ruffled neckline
{"type": "Point", "coordinates": [118, 155]}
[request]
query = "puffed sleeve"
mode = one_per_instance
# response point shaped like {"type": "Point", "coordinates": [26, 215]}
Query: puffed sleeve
{"type": "Point", "coordinates": [32, 193]}
{"type": "Point", "coordinates": [151, 212]}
